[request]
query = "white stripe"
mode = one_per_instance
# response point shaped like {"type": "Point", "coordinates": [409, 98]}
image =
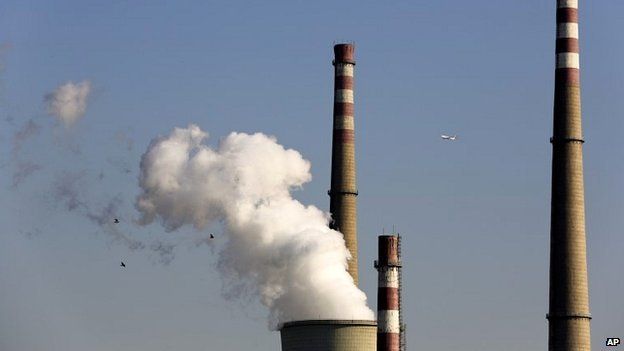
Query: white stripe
{"type": "Point", "coordinates": [568, 60]}
{"type": "Point", "coordinates": [343, 122]}
{"type": "Point", "coordinates": [344, 69]}
{"type": "Point", "coordinates": [389, 278]}
{"type": "Point", "coordinates": [567, 30]}
{"type": "Point", "coordinates": [568, 3]}
{"type": "Point", "coordinates": [388, 321]}
{"type": "Point", "coordinates": [343, 95]}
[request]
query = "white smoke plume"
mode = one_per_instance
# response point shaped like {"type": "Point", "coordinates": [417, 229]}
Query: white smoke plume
{"type": "Point", "coordinates": [24, 169]}
{"type": "Point", "coordinates": [277, 247]}
{"type": "Point", "coordinates": [68, 191]}
{"type": "Point", "coordinates": [28, 130]}
{"type": "Point", "coordinates": [68, 102]}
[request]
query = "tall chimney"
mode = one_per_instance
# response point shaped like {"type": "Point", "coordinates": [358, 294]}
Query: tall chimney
{"type": "Point", "coordinates": [343, 191]}
{"type": "Point", "coordinates": [568, 315]}
{"type": "Point", "coordinates": [388, 294]}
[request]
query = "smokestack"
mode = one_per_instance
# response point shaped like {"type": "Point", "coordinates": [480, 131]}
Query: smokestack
{"type": "Point", "coordinates": [343, 191]}
{"type": "Point", "coordinates": [389, 322]}
{"type": "Point", "coordinates": [568, 315]}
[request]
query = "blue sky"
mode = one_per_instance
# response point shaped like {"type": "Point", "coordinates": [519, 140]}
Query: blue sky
{"type": "Point", "coordinates": [474, 214]}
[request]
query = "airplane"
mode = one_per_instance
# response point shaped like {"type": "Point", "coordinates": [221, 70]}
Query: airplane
{"type": "Point", "coordinates": [448, 137]}
{"type": "Point", "coordinates": [116, 220]}
{"type": "Point", "coordinates": [122, 264]}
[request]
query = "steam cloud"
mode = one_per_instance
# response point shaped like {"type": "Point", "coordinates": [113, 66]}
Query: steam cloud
{"type": "Point", "coordinates": [24, 169]}
{"type": "Point", "coordinates": [28, 130]}
{"type": "Point", "coordinates": [68, 192]}
{"type": "Point", "coordinates": [68, 102]}
{"type": "Point", "coordinates": [277, 247]}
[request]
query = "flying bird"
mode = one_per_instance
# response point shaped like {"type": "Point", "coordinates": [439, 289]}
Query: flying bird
{"type": "Point", "coordinates": [115, 220]}
{"type": "Point", "coordinates": [211, 236]}
{"type": "Point", "coordinates": [122, 264]}
{"type": "Point", "coordinates": [448, 137]}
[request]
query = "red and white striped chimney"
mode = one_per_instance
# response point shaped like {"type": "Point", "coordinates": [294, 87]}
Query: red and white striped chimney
{"type": "Point", "coordinates": [388, 321]}
{"type": "Point", "coordinates": [568, 310]}
{"type": "Point", "coordinates": [343, 191]}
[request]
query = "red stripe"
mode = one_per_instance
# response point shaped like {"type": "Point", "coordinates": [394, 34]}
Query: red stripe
{"type": "Point", "coordinates": [343, 82]}
{"type": "Point", "coordinates": [567, 45]}
{"type": "Point", "coordinates": [345, 136]}
{"type": "Point", "coordinates": [567, 15]}
{"type": "Point", "coordinates": [344, 53]}
{"type": "Point", "coordinates": [343, 109]}
{"type": "Point", "coordinates": [387, 299]}
{"type": "Point", "coordinates": [567, 76]}
{"type": "Point", "coordinates": [388, 342]}
{"type": "Point", "coordinates": [388, 249]}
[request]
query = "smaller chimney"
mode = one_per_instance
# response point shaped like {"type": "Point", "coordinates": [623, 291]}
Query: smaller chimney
{"type": "Point", "coordinates": [389, 321]}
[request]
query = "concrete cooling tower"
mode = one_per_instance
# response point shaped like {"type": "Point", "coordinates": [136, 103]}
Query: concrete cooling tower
{"type": "Point", "coordinates": [329, 335]}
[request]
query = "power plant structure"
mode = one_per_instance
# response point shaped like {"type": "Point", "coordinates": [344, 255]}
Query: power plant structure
{"type": "Point", "coordinates": [568, 314]}
{"type": "Point", "coordinates": [390, 327]}
{"type": "Point", "coordinates": [329, 335]}
{"type": "Point", "coordinates": [343, 191]}
{"type": "Point", "coordinates": [338, 335]}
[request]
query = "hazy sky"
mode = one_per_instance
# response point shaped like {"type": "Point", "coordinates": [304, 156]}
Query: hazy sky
{"type": "Point", "coordinates": [474, 214]}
